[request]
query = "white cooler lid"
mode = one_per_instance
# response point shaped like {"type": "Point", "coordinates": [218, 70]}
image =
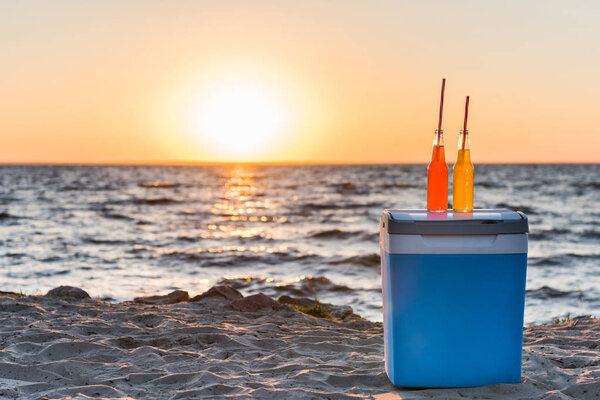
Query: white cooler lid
{"type": "Point", "coordinates": [478, 222]}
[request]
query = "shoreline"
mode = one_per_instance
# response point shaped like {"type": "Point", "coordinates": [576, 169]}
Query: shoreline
{"type": "Point", "coordinates": [184, 163]}
{"type": "Point", "coordinates": [220, 343]}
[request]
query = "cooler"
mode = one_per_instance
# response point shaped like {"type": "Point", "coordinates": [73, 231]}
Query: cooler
{"type": "Point", "coordinates": [453, 296]}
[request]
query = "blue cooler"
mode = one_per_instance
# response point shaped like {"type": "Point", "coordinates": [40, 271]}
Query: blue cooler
{"type": "Point", "coordinates": [453, 296]}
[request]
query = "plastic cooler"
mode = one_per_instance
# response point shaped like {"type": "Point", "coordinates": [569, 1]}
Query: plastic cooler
{"type": "Point", "coordinates": [453, 296]}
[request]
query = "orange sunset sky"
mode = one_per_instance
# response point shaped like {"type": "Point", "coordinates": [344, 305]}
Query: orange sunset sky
{"type": "Point", "coordinates": [308, 81]}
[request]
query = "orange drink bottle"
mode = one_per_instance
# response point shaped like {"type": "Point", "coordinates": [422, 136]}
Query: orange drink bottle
{"type": "Point", "coordinates": [462, 173]}
{"type": "Point", "coordinates": [437, 171]}
{"type": "Point", "coordinates": [437, 176]}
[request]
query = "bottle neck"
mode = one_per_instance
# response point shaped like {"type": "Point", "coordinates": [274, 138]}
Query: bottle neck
{"type": "Point", "coordinates": [438, 154]}
{"type": "Point", "coordinates": [438, 138]}
{"type": "Point", "coordinates": [463, 140]}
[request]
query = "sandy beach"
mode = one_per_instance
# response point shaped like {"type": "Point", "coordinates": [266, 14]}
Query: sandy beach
{"type": "Point", "coordinates": [220, 344]}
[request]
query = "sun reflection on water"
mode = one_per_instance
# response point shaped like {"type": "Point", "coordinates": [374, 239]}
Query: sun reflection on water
{"type": "Point", "coordinates": [241, 208]}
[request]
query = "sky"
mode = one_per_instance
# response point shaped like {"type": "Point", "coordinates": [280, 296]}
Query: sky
{"type": "Point", "coordinates": [287, 81]}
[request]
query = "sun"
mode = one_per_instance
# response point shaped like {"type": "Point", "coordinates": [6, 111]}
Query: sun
{"type": "Point", "coordinates": [240, 120]}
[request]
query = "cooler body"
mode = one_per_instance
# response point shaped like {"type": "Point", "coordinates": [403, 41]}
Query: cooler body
{"type": "Point", "coordinates": [453, 297]}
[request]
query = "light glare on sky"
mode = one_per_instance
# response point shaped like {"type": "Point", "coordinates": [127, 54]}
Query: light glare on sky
{"type": "Point", "coordinates": [112, 81]}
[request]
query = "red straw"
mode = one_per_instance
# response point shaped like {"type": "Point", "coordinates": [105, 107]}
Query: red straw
{"type": "Point", "coordinates": [464, 138]}
{"type": "Point", "coordinates": [441, 104]}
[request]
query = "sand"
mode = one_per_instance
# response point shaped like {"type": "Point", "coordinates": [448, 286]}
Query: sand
{"type": "Point", "coordinates": [67, 348]}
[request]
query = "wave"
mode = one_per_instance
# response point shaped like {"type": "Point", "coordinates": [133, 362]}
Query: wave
{"type": "Point", "coordinates": [108, 212]}
{"type": "Point", "coordinates": [156, 201]}
{"type": "Point", "coordinates": [365, 260]}
{"type": "Point", "coordinates": [371, 237]}
{"type": "Point", "coordinates": [111, 215]}
{"type": "Point", "coordinates": [489, 185]}
{"type": "Point", "coordinates": [234, 217]}
{"type": "Point", "coordinates": [591, 234]}
{"type": "Point", "coordinates": [337, 234]}
{"type": "Point", "coordinates": [46, 274]}
{"type": "Point", "coordinates": [560, 260]}
{"type": "Point", "coordinates": [588, 185]}
{"type": "Point", "coordinates": [91, 240]}
{"type": "Point", "coordinates": [320, 206]}
{"type": "Point", "coordinates": [397, 185]}
{"type": "Point", "coordinates": [51, 259]}
{"type": "Point", "coordinates": [7, 219]}
{"type": "Point", "coordinates": [189, 238]}
{"type": "Point", "coordinates": [592, 256]}
{"type": "Point", "coordinates": [159, 185]}
{"type": "Point", "coordinates": [546, 292]}
{"type": "Point", "coordinates": [236, 257]}
{"type": "Point", "coordinates": [139, 201]}
{"type": "Point", "coordinates": [72, 188]}
{"type": "Point", "coordinates": [7, 199]}
{"type": "Point", "coordinates": [546, 261]}
{"type": "Point", "coordinates": [405, 185]}
{"type": "Point", "coordinates": [333, 234]}
{"type": "Point", "coordinates": [14, 255]}
{"type": "Point", "coordinates": [548, 234]}
{"type": "Point", "coordinates": [345, 186]}
{"type": "Point", "coordinates": [5, 215]}
{"type": "Point", "coordinates": [351, 189]}
{"type": "Point", "coordinates": [310, 207]}
{"type": "Point", "coordinates": [306, 286]}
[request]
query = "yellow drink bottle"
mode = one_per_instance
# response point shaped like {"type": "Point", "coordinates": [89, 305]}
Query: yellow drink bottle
{"type": "Point", "coordinates": [463, 172]}
{"type": "Point", "coordinates": [462, 179]}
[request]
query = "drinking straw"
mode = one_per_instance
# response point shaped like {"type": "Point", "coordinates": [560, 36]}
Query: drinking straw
{"type": "Point", "coordinates": [441, 105]}
{"type": "Point", "coordinates": [464, 138]}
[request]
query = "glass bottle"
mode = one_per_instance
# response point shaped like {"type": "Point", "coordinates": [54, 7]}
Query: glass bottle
{"type": "Point", "coordinates": [462, 179]}
{"type": "Point", "coordinates": [437, 176]}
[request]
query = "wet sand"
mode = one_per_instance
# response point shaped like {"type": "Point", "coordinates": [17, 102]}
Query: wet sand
{"type": "Point", "coordinates": [218, 346]}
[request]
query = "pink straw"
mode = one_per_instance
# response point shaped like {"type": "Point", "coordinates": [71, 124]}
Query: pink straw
{"type": "Point", "coordinates": [464, 138]}
{"type": "Point", "coordinates": [441, 105]}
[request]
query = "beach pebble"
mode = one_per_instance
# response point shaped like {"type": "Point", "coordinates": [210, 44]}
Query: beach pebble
{"type": "Point", "coordinates": [255, 303]}
{"type": "Point", "coordinates": [176, 296]}
{"type": "Point", "coordinates": [10, 293]}
{"type": "Point", "coordinates": [337, 312]}
{"type": "Point", "coordinates": [225, 291]}
{"type": "Point", "coordinates": [68, 291]}
{"type": "Point", "coordinates": [296, 301]}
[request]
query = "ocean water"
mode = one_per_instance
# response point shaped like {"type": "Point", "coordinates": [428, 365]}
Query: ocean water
{"type": "Point", "coordinates": [126, 231]}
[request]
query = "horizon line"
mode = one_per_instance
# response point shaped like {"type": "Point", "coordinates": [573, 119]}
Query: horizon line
{"type": "Point", "coordinates": [218, 163]}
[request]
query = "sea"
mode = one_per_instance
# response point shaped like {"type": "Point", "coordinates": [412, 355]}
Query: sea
{"type": "Point", "coordinates": [301, 230]}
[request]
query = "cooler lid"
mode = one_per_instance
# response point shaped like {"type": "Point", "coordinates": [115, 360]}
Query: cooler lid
{"type": "Point", "coordinates": [478, 222]}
